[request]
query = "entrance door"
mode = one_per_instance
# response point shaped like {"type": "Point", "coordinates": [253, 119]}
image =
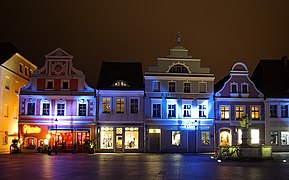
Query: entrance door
{"type": "Point", "coordinates": [118, 143]}
{"type": "Point", "coordinates": [154, 142]}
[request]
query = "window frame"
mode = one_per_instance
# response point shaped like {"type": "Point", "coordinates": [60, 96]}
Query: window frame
{"type": "Point", "coordinates": [275, 115]}
{"type": "Point", "coordinates": [62, 84]}
{"type": "Point", "coordinates": [47, 84]}
{"type": "Point", "coordinates": [171, 86]}
{"type": "Point", "coordinates": [231, 87]}
{"type": "Point", "coordinates": [188, 110]}
{"type": "Point", "coordinates": [82, 102]}
{"type": "Point", "coordinates": [286, 110]}
{"type": "Point", "coordinates": [105, 104]}
{"type": "Point", "coordinates": [229, 112]}
{"type": "Point", "coordinates": [120, 105]}
{"type": "Point", "coordinates": [46, 101]}
{"type": "Point", "coordinates": [205, 86]}
{"type": "Point", "coordinates": [259, 112]}
{"type": "Point", "coordinates": [235, 111]}
{"type": "Point", "coordinates": [133, 105]}
{"type": "Point", "coordinates": [187, 89]}
{"type": "Point", "coordinates": [156, 86]}
{"type": "Point", "coordinates": [60, 111]}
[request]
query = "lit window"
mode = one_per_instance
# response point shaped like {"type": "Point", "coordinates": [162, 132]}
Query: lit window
{"type": "Point", "coordinates": [187, 87]}
{"type": "Point", "coordinates": [156, 86]}
{"type": "Point", "coordinates": [176, 138]}
{"type": "Point", "coordinates": [225, 112]}
{"type": "Point", "coordinates": [255, 136]}
{"type": "Point", "coordinates": [245, 88]}
{"type": "Point", "coordinates": [178, 69]}
{"type": "Point", "coordinates": [120, 83]}
{"type": "Point", "coordinates": [156, 110]}
{"type": "Point", "coordinates": [225, 137]}
{"type": "Point", "coordinates": [119, 105]}
{"type": "Point", "coordinates": [239, 112]}
{"type": "Point", "coordinates": [60, 109]}
{"type": "Point", "coordinates": [273, 110]}
{"type": "Point", "coordinates": [46, 109]}
{"type": "Point", "coordinates": [205, 138]}
{"type": "Point", "coordinates": [31, 108]}
{"type": "Point", "coordinates": [284, 111]}
{"type": "Point", "coordinates": [202, 87]}
{"type": "Point", "coordinates": [186, 110]}
{"type": "Point", "coordinates": [134, 106]}
{"type": "Point", "coordinates": [234, 87]}
{"type": "Point", "coordinates": [274, 137]}
{"type": "Point", "coordinates": [105, 105]}
{"type": "Point", "coordinates": [284, 137]}
{"type": "Point", "coordinates": [81, 109]}
{"type": "Point", "coordinates": [131, 138]}
{"type": "Point", "coordinates": [171, 110]}
{"type": "Point", "coordinates": [106, 138]}
{"type": "Point", "coordinates": [255, 112]}
{"type": "Point", "coordinates": [172, 86]}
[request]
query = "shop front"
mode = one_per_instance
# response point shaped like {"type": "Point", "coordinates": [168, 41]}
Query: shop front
{"type": "Point", "coordinates": [120, 139]}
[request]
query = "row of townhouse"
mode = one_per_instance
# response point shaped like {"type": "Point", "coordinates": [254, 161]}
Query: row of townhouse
{"type": "Point", "coordinates": [173, 107]}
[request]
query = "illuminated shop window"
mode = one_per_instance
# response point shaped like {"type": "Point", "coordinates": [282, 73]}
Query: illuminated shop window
{"type": "Point", "coordinates": [255, 112]}
{"type": "Point", "coordinates": [187, 87]}
{"type": "Point", "coordinates": [131, 138]}
{"type": "Point", "coordinates": [119, 105]}
{"type": "Point", "coordinates": [284, 137]}
{"type": "Point", "coordinates": [30, 108]}
{"type": "Point", "coordinates": [105, 105]}
{"type": "Point", "coordinates": [234, 87]}
{"type": "Point", "coordinates": [172, 86]}
{"type": "Point", "coordinates": [186, 110]}
{"type": "Point", "coordinates": [60, 108]}
{"type": "Point", "coordinates": [284, 111]}
{"type": "Point", "coordinates": [106, 138]}
{"type": "Point", "coordinates": [202, 87]}
{"type": "Point", "coordinates": [176, 138]}
{"type": "Point", "coordinates": [156, 110]}
{"type": "Point", "coordinates": [225, 112]}
{"type": "Point", "coordinates": [225, 137]}
{"type": "Point", "coordinates": [156, 86]}
{"type": "Point", "coordinates": [273, 110]}
{"type": "Point", "coordinates": [239, 112]}
{"type": "Point", "coordinates": [154, 131]}
{"type": "Point", "coordinates": [171, 110]}
{"type": "Point", "coordinates": [274, 138]}
{"type": "Point", "coordinates": [245, 88]}
{"type": "Point", "coordinates": [205, 138]}
{"type": "Point", "coordinates": [134, 106]}
{"type": "Point", "coordinates": [255, 136]}
{"type": "Point", "coordinates": [46, 108]}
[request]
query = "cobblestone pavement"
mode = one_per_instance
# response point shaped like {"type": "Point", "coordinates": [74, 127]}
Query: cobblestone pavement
{"type": "Point", "coordinates": [137, 166]}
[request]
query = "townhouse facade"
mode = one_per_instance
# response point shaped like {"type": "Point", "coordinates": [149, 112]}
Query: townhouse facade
{"type": "Point", "coordinates": [15, 72]}
{"type": "Point", "coordinates": [120, 93]}
{"type": "Point", "coordinates": [179, 108]}
{"type": "Point", "coordinates": [57, 107]}
{"type": "Point", "coordinates": [236, 95]}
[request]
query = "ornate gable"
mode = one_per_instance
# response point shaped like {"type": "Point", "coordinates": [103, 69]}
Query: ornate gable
{"type": "Point", "coordinates": [58, 54]}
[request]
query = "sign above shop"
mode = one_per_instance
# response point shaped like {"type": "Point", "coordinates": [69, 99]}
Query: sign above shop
{"type": "Point", "coordinates": [31, 129]}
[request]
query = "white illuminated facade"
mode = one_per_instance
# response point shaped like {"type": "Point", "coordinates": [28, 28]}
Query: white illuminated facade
{"type": "Point", "coordinates": [179, 108]}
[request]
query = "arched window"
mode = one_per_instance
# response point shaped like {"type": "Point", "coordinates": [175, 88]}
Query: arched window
{"type": "Point", "coordinates": [178, 69]}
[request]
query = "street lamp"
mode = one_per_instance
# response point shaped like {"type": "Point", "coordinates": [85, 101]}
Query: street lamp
{"type": "Point", "coordinates": [56, 145]}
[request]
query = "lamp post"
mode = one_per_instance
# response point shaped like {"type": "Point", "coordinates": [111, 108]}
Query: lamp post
{"type": "Point", "coordinates": [56, 142]}
{"type": "Point", "coordinates": [196, 123]}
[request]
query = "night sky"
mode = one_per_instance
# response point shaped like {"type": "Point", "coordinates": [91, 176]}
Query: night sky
{"type": "Point", "coordinates": [220, 32]}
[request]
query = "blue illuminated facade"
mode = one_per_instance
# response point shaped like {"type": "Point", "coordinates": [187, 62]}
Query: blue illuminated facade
{"type": "Point", "coordinates": [179, 106]}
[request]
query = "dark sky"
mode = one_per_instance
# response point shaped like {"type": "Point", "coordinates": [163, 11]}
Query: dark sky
{"type": "Point", "coordinates": [220, 32]}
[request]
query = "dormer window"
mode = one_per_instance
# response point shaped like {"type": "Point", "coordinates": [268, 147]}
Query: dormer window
{"type": "Point", "coordinates": [120, 83]}
{"type": "Point", "coordinates": [179, 68]}
{"type": "Point", "coordinates": [234, 88]}
{"type": "Point", "coordinates": [245, 88]}
{"type": "Point", "coordinates": [64, 84]}
{"type": "Point", "coordinates": [49, 84]}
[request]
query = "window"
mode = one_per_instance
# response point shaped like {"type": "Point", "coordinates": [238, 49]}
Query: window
{"type": "Point", "coordinates": [176, 138]}
{"type": "Point", "coordinates": [64, 84]}
{"type": "Point", "coordinates": [202, 87]}
{"type": "Point", "coordinates": [172, 86]}
{"type": "Point", "coordinates": [46, 109]}
{"type": "Point", "coordinates": [60, 109]}
{"type": "Point", "coordinates": [106, 138]}
{"type": "Point", "coordinates": [178, 69]}
{"type": "Point", "coordinates": [284, 111]}
{"type": "Point", "coordinates": [26, 71]}
{"type": "Point", "coordinates": [187, 87]}
{"type": "Point", "coordinates": [239, 112]}
{"type": "Point", "coordinates": [255, 136]}
{"type": "Point", "coordinates": [7, 82]}
{"type": "Point", "coordinates": [156, 86]}
{"type": "Point", "coordinates": [120, 83]}
{"type": "Point", "coordinates": [105, 105]}
{"type": "Point", "coordinates": [225, 112]}
{"type": "Point", "coordinates": [273, 110]}
{"type": "Point", "coordinates": [186, 110]}
{"type": "Point", "coordinates": [234, 88]}
{"type": "Point", "coordinates": [30, 72]}
{"type": "Point", "coordinates": [119, 105]}
{"type": "Point", "coordinates": [21, 68]}
{"type": "Point", "coordinates": [245, 88]}
{"type": "Point", "coordinates": [49, 84]}
{"type": "Point", "coordinates": [225, 137]}
{"type": "Point", "coordinates": [6, 110]}
{"type": "Point", "coordinates": [81, 109]}
{"type": "Point", "coordinates": [156, 110]}
{"type": "Point", "coordinates": [205, 138]}
{"type": "Point", "coordinates": [202, 111]}
{"type": "Point", "coordinates": [31, 108]}
{"type": "Point", "coordinates": [171, 110]}
{"type": "Point", "coordinates": [255, 112]}
{"type": "Point", "coordinates": [284, 137]}
{"type": "Point", "coordinates": [131, 138]}
{"type": "Point", "coordinates": [274, 137]}
{"type": "Point", "coordinates": [134, 106]}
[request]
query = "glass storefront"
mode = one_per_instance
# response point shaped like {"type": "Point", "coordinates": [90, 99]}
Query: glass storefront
{"type": "Point", "coordinates": [284, 137]}
{"type": "Point", "coordinates": [225, 137]}
{"type": "Point", "coordinates": [205, 138]}
{"type": "Point", "coordinates": [106, 138]}
{"type": "Point", "coordinates": [131, 138]}
{"type": "Point", "coordinates": [176, 138]}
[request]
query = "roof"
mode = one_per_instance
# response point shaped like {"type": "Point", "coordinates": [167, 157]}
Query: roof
{"type": "Point", "coordinates": [220, 84]}
{"type": "Point", "coordinates": [272, 77]}
{"type": "Point", "coordinates": [129, 72]}
{"type": "Point", "coordinates": [7, 50]}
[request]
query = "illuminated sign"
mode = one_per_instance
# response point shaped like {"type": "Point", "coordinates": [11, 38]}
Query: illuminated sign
{"type": "Point", "coordinates": [31, 129]}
